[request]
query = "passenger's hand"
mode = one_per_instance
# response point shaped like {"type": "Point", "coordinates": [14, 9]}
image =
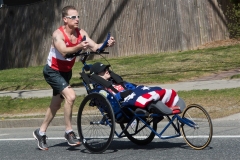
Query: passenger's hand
{"type": "Point", "coordinates": [111, 41]}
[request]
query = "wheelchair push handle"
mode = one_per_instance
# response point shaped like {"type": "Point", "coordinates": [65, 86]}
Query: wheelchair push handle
{"type": "Point", "coordinates": [105, 43]}
{"type": "Point", "coordinates": [98, 51]}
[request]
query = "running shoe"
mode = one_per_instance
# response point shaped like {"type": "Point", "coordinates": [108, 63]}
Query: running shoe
{"type": "Point", "coordinates": [71, 139]}
{"type": "Point", "coordinates": [42, 144]}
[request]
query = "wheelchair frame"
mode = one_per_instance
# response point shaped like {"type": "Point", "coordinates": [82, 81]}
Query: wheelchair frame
{"type": "Point", "coordinates": [97, 118]}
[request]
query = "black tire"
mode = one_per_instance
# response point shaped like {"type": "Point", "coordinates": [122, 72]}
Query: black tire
{"type": "Point", "coordinates": [199, 136]}
{"type": "Point", "coordinates": [96, 123]}
{"type": "Point", "coordinates": [139, 133]}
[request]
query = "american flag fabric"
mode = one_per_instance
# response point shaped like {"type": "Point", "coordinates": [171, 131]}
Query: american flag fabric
{"type": "Point", "coordinates": [143, 95]}
{"type": "Point", "coordinates": [118, 87]}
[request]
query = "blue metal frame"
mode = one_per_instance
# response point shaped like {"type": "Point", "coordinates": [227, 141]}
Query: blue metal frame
{"type": "Point", "coordinates": [114, 103]}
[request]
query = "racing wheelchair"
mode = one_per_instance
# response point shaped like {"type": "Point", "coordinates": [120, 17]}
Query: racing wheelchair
{"type": "Point", "coordinates": [100, 112]}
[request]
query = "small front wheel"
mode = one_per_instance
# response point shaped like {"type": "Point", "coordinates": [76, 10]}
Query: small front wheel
{"type": "Point", "coordinates": [199, 134]}
{"type": "Point", "coordinates": [96, 123]}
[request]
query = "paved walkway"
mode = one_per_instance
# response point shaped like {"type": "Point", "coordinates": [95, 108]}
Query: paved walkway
{"type": "Point", "coordinates": [181, 86]}
{"type": "Point", "coordinates": [213, 82]}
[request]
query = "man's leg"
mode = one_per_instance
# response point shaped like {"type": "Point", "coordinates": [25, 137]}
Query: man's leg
{"type": "Point", "coordinates": [40, 134]}
{"type": "Point", "coordinates": [69, 95]}
{"type": "Point", "coordinates": [51, 112]}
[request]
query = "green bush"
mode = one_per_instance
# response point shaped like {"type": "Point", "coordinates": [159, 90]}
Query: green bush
{"type": "Point", "coordinates": [235, 1]}
{"type": "Point", "coordinates": [233, 15]}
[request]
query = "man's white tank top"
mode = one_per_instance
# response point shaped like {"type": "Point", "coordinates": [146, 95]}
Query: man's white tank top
{"type": "Point", "coordinates": [56, 60]}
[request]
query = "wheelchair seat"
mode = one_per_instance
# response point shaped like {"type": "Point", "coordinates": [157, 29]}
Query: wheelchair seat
{"type": "Point", "coordinates": [157, 107]}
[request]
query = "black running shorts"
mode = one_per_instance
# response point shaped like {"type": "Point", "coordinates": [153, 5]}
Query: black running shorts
{"type": "Point", "coordinates": [56, 79]}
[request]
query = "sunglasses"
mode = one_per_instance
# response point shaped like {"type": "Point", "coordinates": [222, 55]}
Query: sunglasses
{"type": "Point", "coordinates": [72, 17]}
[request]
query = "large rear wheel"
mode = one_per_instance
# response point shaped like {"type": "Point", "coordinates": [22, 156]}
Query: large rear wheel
{"type": "Point", "coordinates": [96, 123]}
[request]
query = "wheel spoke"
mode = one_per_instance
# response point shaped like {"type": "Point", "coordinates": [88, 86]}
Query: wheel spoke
{"type": "Point", "coordinates": [95, 123]}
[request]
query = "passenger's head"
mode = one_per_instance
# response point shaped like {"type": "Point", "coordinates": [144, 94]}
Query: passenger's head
{"type": "Point", "coordinates": [101, 70]}
{"type": "Point", "coordinates": [70, 16]}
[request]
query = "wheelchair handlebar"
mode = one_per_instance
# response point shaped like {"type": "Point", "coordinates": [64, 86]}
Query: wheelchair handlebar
{"type": "Point", "coordinates": [104, 45]}
{"type": "Point", "coordinates": [88, 53]}
{"type": "Point", "coordinates": [98, 51]}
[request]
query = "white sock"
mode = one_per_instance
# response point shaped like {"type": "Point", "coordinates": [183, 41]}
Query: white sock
{"type": "Point", "coordinates": [68, 131]}
{"type": "Point", "coordinates": [42, 133]}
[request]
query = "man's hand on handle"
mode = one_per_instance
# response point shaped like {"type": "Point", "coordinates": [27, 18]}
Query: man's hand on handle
{"type": "Point", "coordinates": [111, 42]}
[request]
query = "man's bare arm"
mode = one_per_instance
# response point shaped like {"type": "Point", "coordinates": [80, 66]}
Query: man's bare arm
{"type": "Point", "coordinates": [93, 45]}
{"type": "Point", "coordinates": [59, 44]}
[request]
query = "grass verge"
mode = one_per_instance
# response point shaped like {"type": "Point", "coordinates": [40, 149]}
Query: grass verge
{"type": "Point", "coordinates": [218, 103]}
{"type": "Point", "coordinates": [143, 69]}
{"type": "Point", "coordinates": [30, 107]}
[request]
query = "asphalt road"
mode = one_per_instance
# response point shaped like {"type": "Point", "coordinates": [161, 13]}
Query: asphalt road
{"type": "Point", "coordinates": [18, 143]}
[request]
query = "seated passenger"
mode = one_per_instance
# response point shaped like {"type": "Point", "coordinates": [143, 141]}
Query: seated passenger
{"type": "Point", "coordinates": [132, 94]}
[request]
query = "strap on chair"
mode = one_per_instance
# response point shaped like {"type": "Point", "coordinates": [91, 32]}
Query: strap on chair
{"type": "Point", "coordinates": [118, 79]}
{"type": "Point", "coordinates": [103, 82]}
